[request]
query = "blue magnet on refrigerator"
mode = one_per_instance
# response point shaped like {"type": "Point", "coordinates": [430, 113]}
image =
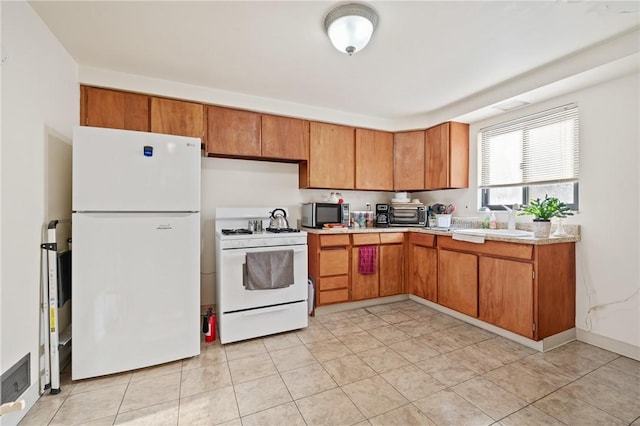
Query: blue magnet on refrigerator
{"type": "Point", "coordinates": [148, 151]}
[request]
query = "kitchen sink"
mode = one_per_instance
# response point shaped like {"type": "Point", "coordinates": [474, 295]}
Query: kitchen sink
{"type": "Point", "coordinates": [511, 233]}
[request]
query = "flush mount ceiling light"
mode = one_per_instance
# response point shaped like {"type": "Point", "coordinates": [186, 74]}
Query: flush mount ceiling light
{"type": "Point", "coordinates": [350, 27]}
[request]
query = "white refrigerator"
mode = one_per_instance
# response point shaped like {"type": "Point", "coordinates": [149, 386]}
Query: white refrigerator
{"type": "Point", "coordinates": [136, 250]}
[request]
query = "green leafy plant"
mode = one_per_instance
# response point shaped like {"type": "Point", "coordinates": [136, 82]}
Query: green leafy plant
{"type": "Point", "coordinates": [544, 210]}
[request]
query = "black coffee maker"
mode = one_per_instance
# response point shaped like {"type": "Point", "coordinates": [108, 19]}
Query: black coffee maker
{"type": "Point", "coordinates": [382, 215]}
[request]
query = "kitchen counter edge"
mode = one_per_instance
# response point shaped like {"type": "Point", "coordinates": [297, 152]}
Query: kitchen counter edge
{"type": "Point", "coordinates": [533, 241]}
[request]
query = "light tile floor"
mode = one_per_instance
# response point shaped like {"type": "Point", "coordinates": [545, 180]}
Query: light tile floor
{"type": "Point", "coordinates": [395, 364]}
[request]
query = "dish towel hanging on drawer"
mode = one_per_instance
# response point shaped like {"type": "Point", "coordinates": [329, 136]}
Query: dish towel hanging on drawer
{"type": "Point", "coordinates": [367, 263]}
{"type": "Point", "coordinates": [269, 269]}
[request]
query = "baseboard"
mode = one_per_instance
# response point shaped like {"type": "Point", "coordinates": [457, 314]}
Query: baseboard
{"type": "Point", "coordinates": [622, 348]}
{"type": "Point", "coordinates": [30, 397]}
{"type": "Point", "coordinates": [541, 346]}
{"type": "Point", "coordinates": [340, 307]}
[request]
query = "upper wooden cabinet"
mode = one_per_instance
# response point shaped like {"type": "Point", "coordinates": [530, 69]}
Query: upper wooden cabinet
{"type": "Point", "coordinates": [285, 138]}
{"type": "Point", "coordinates": [408, 160]}
{"type": "Point", "coordinates": [374, 160]}
{"type": "Point", "coordinates": [114, 109]}
{"type": "Point", "coordinates": [233, 132]}
{"type": "Point", "coordinates": [447, 156]}
{"type": "Point", "coordinates": [331, 157]}
{"type": "Point", "coordinates": [177, 117]}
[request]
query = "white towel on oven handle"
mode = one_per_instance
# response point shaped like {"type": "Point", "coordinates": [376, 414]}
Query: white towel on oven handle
{"type": "Point", "coordinates": [268, 270]}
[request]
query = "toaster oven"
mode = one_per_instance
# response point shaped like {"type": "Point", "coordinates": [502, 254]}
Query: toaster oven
{"type": "Point", "coordinates": [408, 215]}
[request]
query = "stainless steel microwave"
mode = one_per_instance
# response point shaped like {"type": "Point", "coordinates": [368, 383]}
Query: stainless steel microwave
{"type": "Point", "coordinates": [408, 215]}
{"type": "Point", "coordinates": [316, 215]}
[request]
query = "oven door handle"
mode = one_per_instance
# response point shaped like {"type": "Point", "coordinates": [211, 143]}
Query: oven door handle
{"type": "Point", "coordinates": [264, 310]}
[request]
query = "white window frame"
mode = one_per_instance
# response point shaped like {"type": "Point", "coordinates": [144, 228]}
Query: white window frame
{"type": "Point", "coordinates": [526, 124]}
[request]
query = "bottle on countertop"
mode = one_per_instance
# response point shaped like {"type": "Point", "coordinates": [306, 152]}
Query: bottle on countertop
{"type": "Point", "coordinates": [492, 221]}
{"type": "Point", "coordinates": [486, 217]}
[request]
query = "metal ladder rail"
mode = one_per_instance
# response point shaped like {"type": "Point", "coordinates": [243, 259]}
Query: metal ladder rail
{"type": "Point", "coordinates": [51, 247]}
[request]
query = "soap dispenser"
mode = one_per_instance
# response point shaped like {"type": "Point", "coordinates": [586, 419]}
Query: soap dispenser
{"type": "Point", "coordinates": [492, 221]}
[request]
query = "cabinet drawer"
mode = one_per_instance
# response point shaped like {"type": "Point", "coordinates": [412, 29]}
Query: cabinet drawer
{"type": "Point", "coordinates": [333, 296]}
{"type": "Point", "coordinates": [365, 239]}
{"type": "Point", "coordinates": [334, 240]}
{"type": "Point", "coordinates": [391, 237]}
{"type": "Point", "coordinates": [333, 283]}
{"type": "Point", "coordinates": [334, 262]}
{"type": "Point", "coordinates": [427, 240]}
{"type": "Point", "coordinates": [491, 248]}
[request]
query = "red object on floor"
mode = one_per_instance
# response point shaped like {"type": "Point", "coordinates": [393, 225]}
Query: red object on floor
{"type": "Point", "coordinates": [210, 335]}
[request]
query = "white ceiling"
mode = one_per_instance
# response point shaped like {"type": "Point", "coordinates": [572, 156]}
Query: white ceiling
{"type": "Point", "coordinates": [423, 56]}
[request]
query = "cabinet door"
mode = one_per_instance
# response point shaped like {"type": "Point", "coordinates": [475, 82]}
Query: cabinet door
{"type": "Point", "coordinates": [177, 117]}
{"type": "Point", "coordinates": [114, 109]}
{"type": "Point", "coordinates": [447, 156]}
{"type": "Point", "coordinates": [363, 286]}
{"type": "Point", "coordinates": [285, 138]}
{"type": "Point", "coordinates": [423, 272]}
{"type": "Point", "coordinates": [458, 281]}
{"type": "Point", "coordinates": [331, 156]}
{"type": "Point", "coordinates": [233, 132]}
{"type": "Point", "coordinates": [391, 269]}
{"type": "Point", "coordinates": [374, 160]}
{"type": "Point", "coordinates": [408, 160]}
{"type": "Point", "coordinates": [505, 294]}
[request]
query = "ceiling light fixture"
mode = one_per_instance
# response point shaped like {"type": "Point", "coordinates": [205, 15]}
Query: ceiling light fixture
{"type": "Point", "coordinates": [350, 27]}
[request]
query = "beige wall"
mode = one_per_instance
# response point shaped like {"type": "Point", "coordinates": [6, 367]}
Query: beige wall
{"type": "Point", "coordinates": [39, 108]}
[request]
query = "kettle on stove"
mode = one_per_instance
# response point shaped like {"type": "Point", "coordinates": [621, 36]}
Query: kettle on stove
{"type": "Point", "coordinates": [278, 219]}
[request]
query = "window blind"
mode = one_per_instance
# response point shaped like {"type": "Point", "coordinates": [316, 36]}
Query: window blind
{"type": "Point", "coordinates": [542, 148]}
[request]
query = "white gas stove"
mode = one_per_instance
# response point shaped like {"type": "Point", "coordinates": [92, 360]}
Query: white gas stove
{"type": "Point", "coordinates": [278, 303]}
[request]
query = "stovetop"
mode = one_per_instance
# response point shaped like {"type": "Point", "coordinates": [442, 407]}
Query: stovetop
{"type": "Point", "coordinates": [231, 229]}
{"type": "Point", "coordinates": [235, 231]}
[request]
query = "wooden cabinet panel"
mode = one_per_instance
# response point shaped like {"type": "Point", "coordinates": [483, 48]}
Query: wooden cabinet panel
{"type": "Point", "coordinates": [114, 109]}
{"type": "Point", "coordinates": [505, 294]}
{"type": "Point", "coordinates": [331, 157]}
{"type": "Point", "coordinates": [285, 138]}
{"type": "Point", "coordinates": [333, 296]}
{"type": "Point", "coordinates": [334, 262]}
{"type": "Point", "coordinates": [447, 156]}
{"type": "Point", "coordinates": [556, 288]}
{"type": "Point", "coordinates": [365, 239]}
{"type": "Point", "coordinates": [363, 286]}
{"type": "Point", "coordinates": [391, 237]}
{"type": "Point", "coordinates": [233, 132]}
{"type": "Point", "coordinates": [334, 240]}
{"type": "Point", "coordinates": [428, 240]}
{"type": "Point", "coordinates": [423, 272]}
{"type": "Point", "coordinates": [333, 283]}
{"type": "Point", "coordinates": [493, 248]}
{"type": "Point", "coordinates": [391, 269]}
{"type": "Point", "coordinates": [458, 281]}
{"type": "Point", "coordinates": [177, 117]}
{"type": "Point", "coordinates": [408, 160]}
{"type": "Point", "coordinates": [374, 160]}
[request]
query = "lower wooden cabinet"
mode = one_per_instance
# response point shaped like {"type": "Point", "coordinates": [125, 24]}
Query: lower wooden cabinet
{"type": "Point", "coordinates": [458, 281]}
{"type": "Point", "coordinates": [523, 288]}
{"type": "Point", "coordinates": [329, 267]}
{"type": "Point", "coordinates": [505, 294]}
{"type": "Point", "coordinates": [391, 257]}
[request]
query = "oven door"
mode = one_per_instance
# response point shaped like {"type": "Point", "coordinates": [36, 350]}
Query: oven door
{"type": "Point", "coordinates": [233, 296]}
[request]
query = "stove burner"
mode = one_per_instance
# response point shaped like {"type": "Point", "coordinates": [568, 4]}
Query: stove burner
{"type": "Point", "coordinates": [282, 230]}
{"type": "Point", "coordinates": [235, 231]}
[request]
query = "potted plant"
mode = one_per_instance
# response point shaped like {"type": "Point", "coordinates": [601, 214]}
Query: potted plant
{"type": "Point", "coordinates": [543, 211]}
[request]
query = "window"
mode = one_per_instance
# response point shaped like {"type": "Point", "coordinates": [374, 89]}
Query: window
{"type": "Point", "coordinates": [531, 157]}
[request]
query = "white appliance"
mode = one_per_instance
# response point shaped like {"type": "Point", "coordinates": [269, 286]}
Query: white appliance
{"type": "Point", "coordinates": [242, 313]}
{"type": "Point", "coordinates": [136, 250]}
